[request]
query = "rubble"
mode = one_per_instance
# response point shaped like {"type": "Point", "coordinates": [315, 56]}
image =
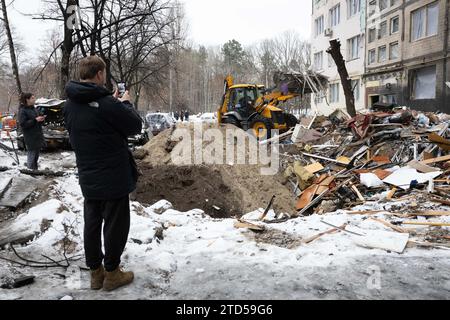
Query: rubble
{"type": "Point", "coordinates": [386, 155]}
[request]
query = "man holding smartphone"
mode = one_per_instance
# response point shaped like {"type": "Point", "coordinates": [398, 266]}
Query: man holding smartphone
{"type": "Point", "coordinates": [99, 124]}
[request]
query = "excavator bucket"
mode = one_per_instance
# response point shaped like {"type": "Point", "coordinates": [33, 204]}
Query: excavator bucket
{"type": "Point", "coordinates": [299, 83]}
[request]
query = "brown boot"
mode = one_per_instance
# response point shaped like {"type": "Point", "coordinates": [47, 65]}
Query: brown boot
{"type": "Point", "coordinates": [116, 279]}
{"type": "Point", "coordinates": [97, 278]}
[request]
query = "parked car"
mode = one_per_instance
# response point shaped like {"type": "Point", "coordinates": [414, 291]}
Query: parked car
{"type": "Point", "coordinates": [142, 138]}
{"type": "Point", "coordinates": [158, 122]}
{"type": "Point", "coordinates": [208, 118]}
{"type": "Point", "coordinates": [55, 134]}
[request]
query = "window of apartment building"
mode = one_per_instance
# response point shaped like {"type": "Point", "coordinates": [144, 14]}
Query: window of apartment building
{"type": "Point", "coordinates": [383, 30]}
{"type": "Point", "coordinates": [383, 4]}
{"type": "Point", "coordinates": [353, 48]}
{"type": "Point", "coordinates": [331, 62]}
{"type": "Point", "coordinates": [356, 89]}
{"type": "Point", "coordinates": [372, 56]}
{"type": "Point", "coordinates": [372, 7]}
{"type": "Point", "coordinates": [353, 7]}
{"type": "Point", "coordinates": [334, 92]}
{"type": "Point", "coordinates": [372, 34]}
{"type": "Point", "coordinates": [425, 21]}
{"type": "Point", "coordinates": [318, 60]}
{"type": "Point", "coordinates": [319, 25]}
{"type": "Point", "coordinates": [424, 83]}
{"type": "Point", "coordinates": [393, 2]}
{"type": "Point", "coordinates": [382, 54]}
{"type": "Point", "coordinates": [395, 24]}
{"type": "Point", "coordinates": [335, 15]}
{"type": "Point", "coordinates": [393, 51]}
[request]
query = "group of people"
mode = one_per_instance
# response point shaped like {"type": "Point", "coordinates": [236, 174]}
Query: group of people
{"type": "Point", "coordinates": [182, 115]}
{"type": "Point", "coordinates": [98, 122]}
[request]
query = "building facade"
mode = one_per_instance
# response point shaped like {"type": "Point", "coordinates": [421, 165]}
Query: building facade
{"type": "Point", "coordinates": [344, 20]}
{"type": "Point", "coordinates": [407, 53]}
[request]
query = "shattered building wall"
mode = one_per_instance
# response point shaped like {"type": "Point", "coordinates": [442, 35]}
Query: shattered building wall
{"type": "Point", "coordinates": [416, 72]}
{"type": "Point", "coordinates": [345, 20]}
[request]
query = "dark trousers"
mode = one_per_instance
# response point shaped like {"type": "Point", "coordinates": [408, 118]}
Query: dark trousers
{"type": "Point", "coordinates": [32, 159]}
{"type": "Point", "coordinates": [115, 215]}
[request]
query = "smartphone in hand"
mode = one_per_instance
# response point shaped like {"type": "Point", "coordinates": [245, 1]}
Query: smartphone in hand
{"type": "Point", "coordinates": [122, 88]}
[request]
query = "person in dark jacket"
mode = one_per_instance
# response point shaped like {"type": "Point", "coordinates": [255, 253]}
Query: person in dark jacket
{"type": "Point", "coordinates": [99, 124]}
{"type": "Point", "coordinates": [30, 123]}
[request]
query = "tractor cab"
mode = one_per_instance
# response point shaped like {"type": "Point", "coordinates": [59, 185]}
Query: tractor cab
{"type": "Point", "coordinates": [242, 100]}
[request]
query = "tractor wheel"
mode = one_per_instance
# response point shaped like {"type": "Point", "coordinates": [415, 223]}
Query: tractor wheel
{"type": "Point", "coordinates": [261, 127]}
{"type": "Point", "coordinates": [291, 120]}
{"type": "Point", "coordinates": [233, 121]}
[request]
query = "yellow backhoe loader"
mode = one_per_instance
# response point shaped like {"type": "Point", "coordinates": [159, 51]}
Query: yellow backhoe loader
{"type": "Point", "coordinates": [252, 107]}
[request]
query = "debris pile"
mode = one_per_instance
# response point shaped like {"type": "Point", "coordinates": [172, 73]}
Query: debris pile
{"type": "Point", "coordinates": [338, 163]}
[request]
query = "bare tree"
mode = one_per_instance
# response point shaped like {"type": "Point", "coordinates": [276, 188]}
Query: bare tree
{"type": "Point", "coordinates": [335, 51]}
{"type": "Point", "coordinates": [12, 51]}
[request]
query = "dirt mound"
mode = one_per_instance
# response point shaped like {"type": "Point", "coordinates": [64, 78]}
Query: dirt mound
{"type": "Point", "coordinates": [190, 187]}
{"type": "Point", "coordinates": [221, 190]}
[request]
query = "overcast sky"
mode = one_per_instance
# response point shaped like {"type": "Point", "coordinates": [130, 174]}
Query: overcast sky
{"type": "Point", "coordinates": [211, 22]}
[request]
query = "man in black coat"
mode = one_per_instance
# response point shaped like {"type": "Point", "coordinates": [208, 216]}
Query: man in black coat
{"type": "Point", "coordinates": [99, 124]}
{"type": "Point", "coordinates": [30, 123]}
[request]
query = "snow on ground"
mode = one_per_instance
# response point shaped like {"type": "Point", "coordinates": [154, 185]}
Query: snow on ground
{"type": "Point", "coordinates": [188, 255]}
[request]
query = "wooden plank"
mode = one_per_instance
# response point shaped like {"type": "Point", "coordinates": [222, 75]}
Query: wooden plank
{"type": "Point", "coordinates": [315, 167]}
{"type": "Point", "coordinates": [355, 189]}
{"type": "Point", "coordinates": [441, 142]}
{"type": "Point", "coordinates": [19, 191]}
{"type": "Point", "coordinates": [307, 197]}
{"type": "Point", "coordinates": [391, 193]}
{"type": "Point", "coordinates": [436, 160]}
{"type": "Point", "coordinates": [389, 225]}
{"type": "Point", "coordinates": [430, 213]}
{"type": "Point", "coordinates": [421, 167]}
{"type": "Point", "coordinates": [431, 224]}
{"type": "Point", "coordinates": [317, 236]}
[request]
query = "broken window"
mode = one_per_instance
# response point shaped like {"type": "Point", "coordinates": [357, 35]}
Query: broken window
{"type": "Point", "coordinates": [334, 92]}
{"type": "Point", "coordinates": [393, 51]}
{"type": "Point", "coordinates": [424, 83]}
{"type": "Point", "coordinates": [425, 22]}
{"type": "Point", "coordinates": [382, 54]}
{"type": "Point", "coordinates": [395, 24]}
{"type": "Point", "coordinates": [371, 56]}
{"type": "Point", "coordinates": [353, 48]}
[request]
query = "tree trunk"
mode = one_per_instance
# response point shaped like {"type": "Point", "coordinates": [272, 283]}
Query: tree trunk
{"type": "Point", "coordinates": [67, 49]}
{"type": "Point", "coordinates": [12, 50]}
{"type": "Point", "coordinates": [335, 51]}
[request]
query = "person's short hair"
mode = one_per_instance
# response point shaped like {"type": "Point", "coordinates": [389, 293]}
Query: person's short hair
{"type": "Point", "coordinates": [90, 66]}
{"type": "Point", "coordinates": [24, 97]}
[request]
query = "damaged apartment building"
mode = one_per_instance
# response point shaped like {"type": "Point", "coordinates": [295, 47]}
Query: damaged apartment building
{"type": "Point", "coordinates": [345, 20]}
{"type": "Point", "coordinates": [407, 53]}
{"type": "Point", "coordinates": [396, 52]}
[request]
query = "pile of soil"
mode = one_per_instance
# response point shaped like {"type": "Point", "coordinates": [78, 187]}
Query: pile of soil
{"type": "Point", "coordinates": [220, 190]}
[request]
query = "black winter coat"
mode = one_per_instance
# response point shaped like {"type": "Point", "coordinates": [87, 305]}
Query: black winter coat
{"type": "Point", "coordinates": [32, 130]}
{"type": "Point", "coordinates": [98, 126]}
